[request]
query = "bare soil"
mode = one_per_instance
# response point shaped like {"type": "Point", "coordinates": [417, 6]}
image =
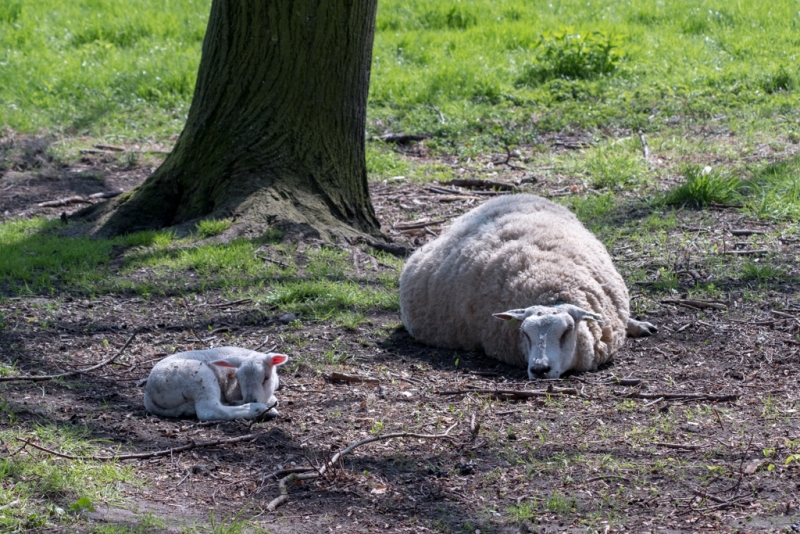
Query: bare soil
{"type": "Point", "coordinates": [688, 431]}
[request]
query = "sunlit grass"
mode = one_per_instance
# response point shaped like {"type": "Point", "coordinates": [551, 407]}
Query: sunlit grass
{"type": "Point", "coordinates": [52, 490]}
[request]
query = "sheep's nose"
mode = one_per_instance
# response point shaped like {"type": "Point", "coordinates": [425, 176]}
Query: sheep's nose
{"type": "Point", "coordinates": [538, 370]}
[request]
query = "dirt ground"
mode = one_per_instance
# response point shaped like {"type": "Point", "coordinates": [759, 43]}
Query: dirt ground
{"type": "Point", "coordinates": [692, 430]}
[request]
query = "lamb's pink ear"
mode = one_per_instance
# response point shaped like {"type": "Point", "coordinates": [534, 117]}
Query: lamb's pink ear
{"type": "Point", "coordinates": [278, 359]}
{"type": "Point", "coordinates": [222, 363]}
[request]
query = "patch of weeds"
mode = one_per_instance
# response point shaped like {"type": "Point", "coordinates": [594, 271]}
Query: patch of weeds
{"type": "Point", "coordinates": [614, 166]}
{"type": "Point", "coordinates": [212, 227]}
{"type": "Point", "coordinates": [774, 191]}
{"type": "Point", "coordinates": [350, 320]}
{"type": "Point", "coordinates": [49, 486]}
{"type": "Point", "coordinates": [762, 272]}
{"type": "Point", "coordinates": [145, 524]}
{"type": "Point", "coordinates": [382, 162]}
{"type": "Point", "coordinates": [666, 280]}
{"type": "Point", "coordinates": [660, 221]}
{"type": "Point", "coordinates": [572, 56]}
{"type": "Point", "coordinates": [321, 299]}
{"type": "Point", "coordinates": [592, 208]}
{"type": "Point", "coordinates": [431, 172]}
{"type": "Point", "coordinates": [779, 80]}
{"type": "Point", "coordinates": [703, 186]}
{"type": "Point", "coordinates": [233, 524]}
{"type": "Point", "coordinates": [523, 511]}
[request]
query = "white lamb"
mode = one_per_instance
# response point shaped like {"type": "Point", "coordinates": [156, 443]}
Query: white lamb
{"type": "Point", "coordinates": [568, 307]}
{"type": "Point", "coordinates": [223, 383]}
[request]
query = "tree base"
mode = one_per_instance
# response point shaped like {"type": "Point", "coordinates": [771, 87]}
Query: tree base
{"type": "Point", "coordinates": [297, 214]}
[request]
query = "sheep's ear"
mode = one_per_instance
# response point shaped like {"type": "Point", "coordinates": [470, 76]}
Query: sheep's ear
{"type": "Point", "coordinates": [579, 314]}
{"type": "Point", "coordinates": [511, 315]}
{"type": "Point", "coordinates": [223, 363]}
{"type": "Point", "coordinates": [278, 359]}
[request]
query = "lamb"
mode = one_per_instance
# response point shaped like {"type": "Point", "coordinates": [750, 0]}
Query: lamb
{"type": "Point", "coordinates": [222, 383]}
{"type": "Point", "coordinates": [567, 307]}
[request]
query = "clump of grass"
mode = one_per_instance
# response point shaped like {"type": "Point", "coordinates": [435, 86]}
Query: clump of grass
{"type": "Point", "coordinates": [212, 227]}
{"type": "Point", "coordinates": [52, 491]}
{"type": "Point", "coordinates": [762, 272]}
{"type": "Point", "coordinates": [780, 80]}
{"type": "Point", "coordinates": [702, 187]}
{"type": "Point", "coordinates": [614, 166]}
{"type": "Point", "coordinates": [572, 56]}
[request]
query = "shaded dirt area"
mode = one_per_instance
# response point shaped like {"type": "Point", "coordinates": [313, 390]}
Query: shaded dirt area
{"type": "Point", "coordinates": [692, 430]}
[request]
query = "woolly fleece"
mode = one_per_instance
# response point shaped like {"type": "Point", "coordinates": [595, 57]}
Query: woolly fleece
{"type": "Point", "coordinates": [513, 252]}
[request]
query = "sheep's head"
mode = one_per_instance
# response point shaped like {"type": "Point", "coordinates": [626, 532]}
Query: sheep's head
{"type": "Point", "coordinates": [257, 375]}
{"type": "Point", "coordinates": [547, 336]}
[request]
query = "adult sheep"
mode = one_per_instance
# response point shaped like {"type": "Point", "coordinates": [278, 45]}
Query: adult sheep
{"type": "Point", "coordinates": [567, 306]}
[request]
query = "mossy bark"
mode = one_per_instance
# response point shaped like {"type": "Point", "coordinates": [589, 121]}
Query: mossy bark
{"type": "Point", "coordinates": [275, 133]}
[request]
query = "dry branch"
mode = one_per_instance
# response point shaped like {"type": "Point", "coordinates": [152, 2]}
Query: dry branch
{"type": "Point", "coordinates": [746, 232]}
{"type": "Point", "coordinates": [351, 378]}
{"type": "Point", "coordinates": [66, 201]}
{"type": "Point", "coordinates": [70, 373]}
{"type": "Point", "coordinates": [143, 455]}
{"type": "Point", "coordinates": [450, 191]}
{"type": "Point", "coordinates": [318, 472]}
{"type": "Point", "coordinates": [744, 252]}
{"type": "Point", "coordinates": [692, 303]}
{"type": "Point", "coordinates": [480, 184]}
{"type": "Point", "coordinates": [506, 394]}
{"type": "Point", "coordinates": [680, 396]}
{"type": "Point", "coordinates": [416, 224]}
{"type": "Point", "coordinates": [402, 139]}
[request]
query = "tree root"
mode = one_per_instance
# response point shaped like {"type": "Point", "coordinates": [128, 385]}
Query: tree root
{"type": "Point", "coordinates": [311, 473]}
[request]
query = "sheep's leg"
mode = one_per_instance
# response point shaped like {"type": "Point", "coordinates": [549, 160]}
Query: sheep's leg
{"type": "Point", "coordinates": [213, 410]}
{"type": "Point", "coordinates": [640, 328]}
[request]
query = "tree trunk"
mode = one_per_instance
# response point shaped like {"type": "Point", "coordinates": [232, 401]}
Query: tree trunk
{"type": "Point", "coordinates": [275, 133]}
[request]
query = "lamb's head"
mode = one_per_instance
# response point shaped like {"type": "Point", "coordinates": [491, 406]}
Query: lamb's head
{"type": "Point", "coordinates": [257, 376]}
{"type": "Point", "coordinates": [547, 336]}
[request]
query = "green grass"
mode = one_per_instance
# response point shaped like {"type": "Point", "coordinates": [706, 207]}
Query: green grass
{"type": "Point", "coordinates": [472, 73]}
{"type": "Point", "coordinates": [52, 491]}
{"type": "Point", "coordinates": [36, 260]}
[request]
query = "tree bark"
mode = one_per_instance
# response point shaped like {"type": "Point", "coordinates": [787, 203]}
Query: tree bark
{"type": "Point", "coordinates": [275, 133]}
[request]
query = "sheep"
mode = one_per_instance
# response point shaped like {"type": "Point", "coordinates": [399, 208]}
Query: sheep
{"type": "Point", "coordinates": [567, 307]}
{"type": "Point", "coordinates": [222, 383]}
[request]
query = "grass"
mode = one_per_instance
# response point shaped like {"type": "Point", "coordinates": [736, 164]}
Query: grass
{"type": "Point", "coordinates": [49, 492]}
{"type": "Point", "coordinates": [473, 74]}
{"type": "Point", "coordinates": [36, 260]}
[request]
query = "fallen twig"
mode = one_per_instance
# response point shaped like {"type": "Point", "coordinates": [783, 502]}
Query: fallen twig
{"type": "Point", "coordinates": [143, 455]}
{"type": "Point", "coordinates": [481, 184]}
{"type": "Point", "coordinates": [233, 303]}
{"type": "Point", "coordinates": [402, 139]}
{"type": "Point", "coordinates": [677, 446]}
{"type": "Point", "coordinates": [513, 394]}
{"type": "Point", "coordinates": [12, 504]}
{"type": "Point", "coordinates": [693, 303]}
{"type": "Point", "coordinates": [351, 378]}
{"type": "Point", "coordinates": [746, 232]}
{"type": "Point", "coordinates": [450, 191]}
{"type": "Point", "coordinates": [744, 252]}
{"type": "Point", "coordinates": [282, 484]}
{"type": "Point", "coordinates": [680, 396]}
{"type": "Point", "coordinates": [70, 373]}
{"type": "Point", "coordinates": [416, 224]}
{"type": "Point", "coordinates": [66, 201]}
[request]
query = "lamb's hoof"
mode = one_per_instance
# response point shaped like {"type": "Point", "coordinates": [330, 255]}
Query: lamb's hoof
{"type": "Point", "coordinates": [269, 415]}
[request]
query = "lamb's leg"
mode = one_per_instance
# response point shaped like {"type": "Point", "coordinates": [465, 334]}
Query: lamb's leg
{"type": "Point", "coordinates": [640, 328]}
{"type": "Point", "coordinates": [216, 411]}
